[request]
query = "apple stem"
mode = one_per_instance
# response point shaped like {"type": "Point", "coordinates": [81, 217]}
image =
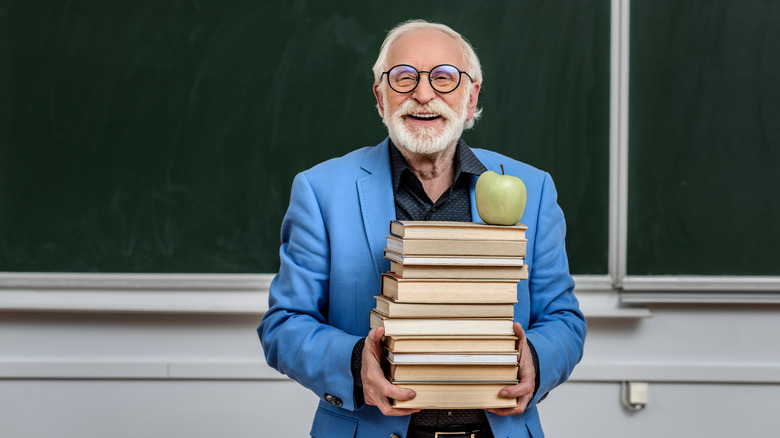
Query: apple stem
{"type": "Point", "coordinates": [502, 169]}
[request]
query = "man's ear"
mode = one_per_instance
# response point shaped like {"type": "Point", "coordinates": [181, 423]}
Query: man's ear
{"type": "Point", "coordinates": [473, 99]}
{"type": "Point", "coordinates": [379, 101]}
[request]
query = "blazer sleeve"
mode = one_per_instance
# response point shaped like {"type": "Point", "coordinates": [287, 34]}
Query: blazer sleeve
{"type": "Point", "coordinates": [296, 337]}
{"type": "Point", "coordinates": [557, 326]}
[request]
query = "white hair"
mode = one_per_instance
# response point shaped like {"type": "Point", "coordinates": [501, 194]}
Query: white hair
{"type": "Point", "coordinates": [473, 66]}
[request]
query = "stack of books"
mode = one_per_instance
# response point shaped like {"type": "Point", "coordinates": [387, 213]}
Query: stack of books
{"type": "Point", "coordinates": [447, 308]}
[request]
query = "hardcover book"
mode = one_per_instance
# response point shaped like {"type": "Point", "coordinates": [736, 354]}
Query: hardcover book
{"type": "Point", "coordinates": [394, 309]}
{"type": "Point", "coordinates": [451, 344]}
{"type": "Point", "coordinates": [515, 273]}
{"type": "Point", "coordinates": [436, 290]}
{"type": "Point", "coordinates": [456, 247]}
{"type": "Point", "coordinates": [442, 326]}
{"type": "Point", "coordinates": [478, 395]}
{"type": "Point", "coordinates": [452, 373]}
{"type": "Point", "coordinates": [446, 230]}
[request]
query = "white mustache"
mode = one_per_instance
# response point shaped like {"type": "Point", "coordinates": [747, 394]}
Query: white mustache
{"type": "Point", "coordinates": [411, 107]}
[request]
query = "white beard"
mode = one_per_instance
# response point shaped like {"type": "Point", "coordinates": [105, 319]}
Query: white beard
{"type": "Point", "coordinates": [423, 140]}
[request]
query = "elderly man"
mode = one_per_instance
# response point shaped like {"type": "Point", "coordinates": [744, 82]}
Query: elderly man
{"type": "Point", "coordinates": [427, 83]}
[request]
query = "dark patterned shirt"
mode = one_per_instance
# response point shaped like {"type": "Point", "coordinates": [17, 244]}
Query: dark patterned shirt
{"type": "Point", "coordinates": [411, 201]}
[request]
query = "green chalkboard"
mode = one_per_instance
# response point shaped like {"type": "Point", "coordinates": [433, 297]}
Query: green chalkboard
{"type": "Point", "coordinates": [704, 173]}
{"type": "Point", "coordinates": [162, 137]}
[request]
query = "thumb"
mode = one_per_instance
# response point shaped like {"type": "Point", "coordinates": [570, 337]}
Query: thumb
{"type": "Point", "coordinates": [375, 335]}
{"type": "Point", "coordinates": [519, 332]}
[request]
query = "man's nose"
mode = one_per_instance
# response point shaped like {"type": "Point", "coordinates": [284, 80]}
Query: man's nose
{"type": "Point", "coordinates": [424, 93]}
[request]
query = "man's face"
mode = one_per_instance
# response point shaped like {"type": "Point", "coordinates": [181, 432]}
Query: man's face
{"type": "Point", "coordinates": [424, 120]}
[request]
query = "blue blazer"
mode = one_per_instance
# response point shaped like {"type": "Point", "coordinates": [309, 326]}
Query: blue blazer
{"type": "Point", "coordinates": [333, 237]}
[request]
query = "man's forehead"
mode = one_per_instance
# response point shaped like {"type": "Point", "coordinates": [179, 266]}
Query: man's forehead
{"type": "Point", "coordinates": [425, 48]}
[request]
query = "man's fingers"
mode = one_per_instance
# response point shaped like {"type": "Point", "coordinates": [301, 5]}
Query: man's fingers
{"type": "Point", "coordinates": [375, 335]}
{"type": "Point", "coordinates": [518, 328]}
{"type": "Point", "coordinates": [395, 392]}
{"type": "Point", "coordinates": [377, 390]}
{"type": "Point", "coordinates": [399, 393]}
{"type": "Point", "coordinates": [519, 332]}
{"type": "Point", "coordinates": [515, 391]}
{"type": "Point", "coordinates": [522, 403]}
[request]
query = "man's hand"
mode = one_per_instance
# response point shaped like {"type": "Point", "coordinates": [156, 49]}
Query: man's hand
{"type": "Point", "coordinates": [376, 388]}
{"type": "Point", "coordinates": [524, 389]}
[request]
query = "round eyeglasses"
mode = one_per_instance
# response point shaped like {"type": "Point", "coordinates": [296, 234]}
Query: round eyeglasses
{"type": "Point", "coordinates": [443, 78]}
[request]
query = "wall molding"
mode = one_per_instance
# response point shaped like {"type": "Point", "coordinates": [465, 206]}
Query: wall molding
{"type": "Point", "coordinates": [674, 372]}
{"type": "Point", "coordinates": [176, 293]}
{"type": "Point", "coordinates": [599, 295]}
{"type": "Point", "coordinates": [209, 293]}
{"type": "Point", "coordinates": [700, 290]}
{"type": "Point", "coordinates": [139, 369]}
{"type": "Point", "coordinates": [671, 372]}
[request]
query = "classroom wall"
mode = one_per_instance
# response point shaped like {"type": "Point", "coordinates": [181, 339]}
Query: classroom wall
{"type": "Point", "coordinates": [712, 370]}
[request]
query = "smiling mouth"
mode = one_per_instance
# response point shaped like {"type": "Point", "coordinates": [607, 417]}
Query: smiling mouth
{"type": "Point", "coordinates": [424, 117]}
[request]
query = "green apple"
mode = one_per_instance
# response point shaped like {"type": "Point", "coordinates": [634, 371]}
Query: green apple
{"type": "Point", "coordinates": [500, 198]}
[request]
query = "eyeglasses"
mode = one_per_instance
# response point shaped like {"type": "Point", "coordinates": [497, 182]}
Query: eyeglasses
{"type": "Point", "coordinates": [443, 78]}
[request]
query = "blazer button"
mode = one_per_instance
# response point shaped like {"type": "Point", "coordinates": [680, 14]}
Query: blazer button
{"type": "Point", "coordinates": [395, 435]}
{"type": "Point", "coordinates": [332, 399]}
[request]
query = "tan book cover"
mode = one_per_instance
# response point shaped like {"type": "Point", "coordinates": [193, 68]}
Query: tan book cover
{"type": "Point", "coordinates": [433, 395]}
{"type": "Point", "coordinates": [410, 290]}
{"type": "Point", "coordinates": [481, 261]}
{"type": "Point", "coordinates": [456, 230]}
{"type": "Point", "coordinates": [389, 307]}
{"type": "Point", "coordinates": [515, 273]}
{"type": "Point", "coordinates": [450, 344]}
{"type": "Point", "coordinates": [452, 373]}
{"type": "Point", "coordinates": [453, 358]}
{"type": "Point", "coordinates": [453, 247]}
{"type": "Point", "coordinates": [441, 326]}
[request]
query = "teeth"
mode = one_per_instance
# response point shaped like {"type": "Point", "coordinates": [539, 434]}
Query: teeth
{"type": "Point", "coordinates": [426, 116]}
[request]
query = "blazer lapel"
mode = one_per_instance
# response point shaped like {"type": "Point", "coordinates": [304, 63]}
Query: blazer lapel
{"type": "Point", "coordinates": [375, 191]}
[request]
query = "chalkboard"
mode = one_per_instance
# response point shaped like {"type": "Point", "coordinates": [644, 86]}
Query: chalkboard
{"type": "Point", "coordinates": [163, 137]}
{"type": "Point", "coordinates": [704, 173]}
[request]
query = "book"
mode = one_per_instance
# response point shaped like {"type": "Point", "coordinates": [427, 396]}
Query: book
{"type": "Point", "coordinates": [456, 230]}
{"type": "Point", "coordinates": [457, 247]}
{"type": "Point", "coordinates": [441, 326]}
{"type": "Point", "coordinates": [450, 344]}
{"type": "Point", "coordinates": [451, 373]}
{"type": "Point", "coordinates": [389, 307]}
{"type": "Point", "coordinates": [515, 273]}
{"type": "Point", "coordinates": [410, 290]}
{"type": "Point", "coordinates": [453, 358]}
{"type": "Point", "coordinates": [435, 395]}
{"type": "Point", "coordinates": [454, 260]}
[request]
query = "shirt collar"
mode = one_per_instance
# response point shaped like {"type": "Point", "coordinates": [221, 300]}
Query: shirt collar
{"type": "Point", "coordinates": [465, 162]}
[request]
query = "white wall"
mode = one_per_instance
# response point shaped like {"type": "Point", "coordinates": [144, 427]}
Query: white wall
{"type": "Point", "coordinates": [153, 408]}
{"type": "Point", "coordinates": [714, 370]}
{"type": "Point", "coordinates": [109, 374]}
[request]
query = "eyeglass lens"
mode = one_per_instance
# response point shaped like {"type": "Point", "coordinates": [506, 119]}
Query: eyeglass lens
{"type": "Point", "coordinates": [443, 78]}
